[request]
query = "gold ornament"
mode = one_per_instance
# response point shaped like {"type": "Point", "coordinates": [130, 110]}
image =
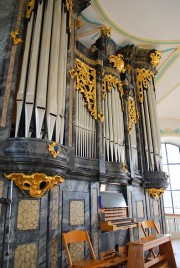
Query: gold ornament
{"type": "Point", "coordinates": [30, 8]}
{"type": "Point", "coordinates": [118, 62]}
{"type": "Point", "coordinates": [155, 57]}
{"type": "Point", "coordinates": [100, 116]}
{"type": "Point", "coordinates": [34, 185]}
{"type": "Point", "coordinates": [109, 82]}
{"type": "Point", "coordinates": [86, 84]}
{"type": "Point", "coordinates": [143, 77]}
{"type": "Point", "coordinates": [105, 31]}
{"type": "Point", "coordinates": [155, 193]}
{"type": "Point", "coordinates": [132, 113]}
{"type": "Point", "coordinates": [53, 149]}
{"type": "Point", "coordinates": [16, 38]}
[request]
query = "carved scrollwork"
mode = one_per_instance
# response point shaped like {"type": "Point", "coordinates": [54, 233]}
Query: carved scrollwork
{"type": "Point", "coordinates": [101, 116]}
{"type": "Point", "coordinates": [34, 185]}
{"type": "Point", "coordinates": [30, 8]}
{"type": "Point", "coordinates": [155, 193]}
{"type": "Point", "coordinates": [133, 115]}
{"type": "Point", "coordinates": [109, 82]}
{"type": "Point", "coordinates": [86, 84]}
{"type": "Point", "coordinates": [143, 77]}
{"type": "Point", "coordinates": [118, 62]}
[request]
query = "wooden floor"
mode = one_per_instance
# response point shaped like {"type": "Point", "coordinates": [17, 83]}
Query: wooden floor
{"type": "Point", "coordinates": [176, 248]}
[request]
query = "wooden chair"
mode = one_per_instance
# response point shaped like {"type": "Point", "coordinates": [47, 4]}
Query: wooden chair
{"type": "Point", "coordinates": [74, 237]}
{"type": "Point", "coordinates": [146, 226]}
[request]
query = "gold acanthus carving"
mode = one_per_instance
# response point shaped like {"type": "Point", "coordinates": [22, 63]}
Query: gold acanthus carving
{"type": "Point", "coordinates": [34, 185]}
{"type": "Point", "coordinates": [143, 77]}
{"type": "Point", "coordinates": [155, 193]}
{"type": "Point", "coordinates": [86, 84]}
{"type": "Point", "coordinates": [155, 57]}
{"type": "Point", "coordinates": [118, 62]}
{"type": "Point", "coordinates": [109, 82]}
{"type": "Point", "coordinates": [29, 8]}
{"type": "Point", "coordinates": [16, 38]}
{"type": "Point", "coordinates": [53, 149]}
{"type": "Point", "coordinates": [105, 31]}
{"type": "Point", "coordinates": [133, 115]}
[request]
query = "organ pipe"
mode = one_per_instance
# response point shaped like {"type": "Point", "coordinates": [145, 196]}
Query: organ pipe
{"type": "Point", "coordinates": [31, 80]}
{"type": "Point", "coordinates": [42, 80]}
{"type": "Point", "coordinates": [22, 85]}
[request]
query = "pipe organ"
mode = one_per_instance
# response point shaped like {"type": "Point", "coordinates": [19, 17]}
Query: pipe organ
{"type": "Point", "coordinates": [85, 119]}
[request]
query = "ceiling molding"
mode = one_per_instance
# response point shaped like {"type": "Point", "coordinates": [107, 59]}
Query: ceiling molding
{"type": "Point", "coordinates": [101, 12]}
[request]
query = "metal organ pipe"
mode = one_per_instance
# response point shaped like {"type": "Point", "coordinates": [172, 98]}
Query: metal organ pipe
{"type": "Point", "coordinates": [113, 126]}
{"type": "Point", "coordinates": [22, 85]}
{"type": "Point", "coordinates": [32, 73]}
{"type": "Point", "coordinates": [61, 79]}
{"type": "Point", "coordinates": [42, 80]}
{"type": "Point", "coordinates": [148, 128]}
{"type": "Point", "coordinates": [53, 70]}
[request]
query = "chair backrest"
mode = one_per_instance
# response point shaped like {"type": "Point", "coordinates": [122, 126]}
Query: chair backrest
{"type": "Point", "coordinates": [74, 237]}
{"type": "Point", "coordinates": [149, 224]}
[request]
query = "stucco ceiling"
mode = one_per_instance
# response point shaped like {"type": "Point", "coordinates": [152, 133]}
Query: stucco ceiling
{"type": "Point", "coordinates": [147, 24]}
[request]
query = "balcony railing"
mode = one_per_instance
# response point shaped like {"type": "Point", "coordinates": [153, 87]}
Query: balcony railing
{"type": "Point", "coordinates": [173, 225]}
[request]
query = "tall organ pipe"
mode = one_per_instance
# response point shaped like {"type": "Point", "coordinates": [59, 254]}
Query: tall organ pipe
{"type": "Point", "coordinates": [41, 93]}
{"type": "Point", "coordinates": [53, 70]}
{"type": "Point", "coordinates": [31, 81]}
{"type": "Point", "coordinates": [22, 85]}
{"type": "Point", "coordinates": [148, 127]}
{"type": "Point", "coordinates": [61, 80]}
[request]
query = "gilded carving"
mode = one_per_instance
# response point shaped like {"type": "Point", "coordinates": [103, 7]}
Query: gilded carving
{"type": "Point", "coordinates": [35, 184]}
{"type": "Point", "coordinates": [86, 84]}
{"type": "Point", "coordinates": [155, 193]}
{"type": "Point", "coordinates": [78, 23]}
{"type": "Point", "coordinates": [16, 38]}
{"type": "Point", "coordinates": [155, 57]}
{"type": "Point", "coordinates": [132, 113]}
{"type": "Point", "coordinates": [105, 31]}
{"type": "Point", "coordinates": [53, 149]}
{"type": "Point", "coordinates": [101, 117]}
{"type": "Point", "coordinates": [124, 167]}
{"type": "Point", "coordinates": [69, 5]}
{"type": "Point", "coordinates": [143, 77]}
{"type": "Point", "coordinates": [109, 82]}
{"type": "Point", "coordinates": [30, 8]}
{"type": "Point", "coordinates": [118, 62]}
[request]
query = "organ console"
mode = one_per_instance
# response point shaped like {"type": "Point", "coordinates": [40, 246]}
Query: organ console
{"type": "Point", "coordinates": [113, 219]}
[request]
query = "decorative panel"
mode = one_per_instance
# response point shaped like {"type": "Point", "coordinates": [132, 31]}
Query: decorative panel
{"type": "Point", "coordinates": [26, 256]}
{"type": "Point", "coordinates": [28, 215]}
{"type": "Point", "coordinates": [155, 207]}
{"type": "Point", "coordinates": [77, 212]}
{"type": "Point", "coordinates": [54, 253]}
{"type": "Point", "coordinates": [140, 209]}
{"type": "Point", "coordinates": [77, 251]}
{"type": "Point", "coordinates": [1, 192]}
{"type": "Point", "coordinates": [55, 207]}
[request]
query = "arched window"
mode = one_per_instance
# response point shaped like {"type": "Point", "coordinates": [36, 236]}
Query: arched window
{"type": "Point", "coordinates": [171, 165]}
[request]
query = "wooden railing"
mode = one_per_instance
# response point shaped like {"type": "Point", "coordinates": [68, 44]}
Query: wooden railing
{"type": "Point", "coordinates": [173, 225]}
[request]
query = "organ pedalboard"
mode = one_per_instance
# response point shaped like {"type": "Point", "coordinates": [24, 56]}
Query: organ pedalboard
{"type": "Point", "coordinates": [113, 219]}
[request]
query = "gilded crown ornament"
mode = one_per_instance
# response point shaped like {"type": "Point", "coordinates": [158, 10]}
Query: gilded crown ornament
{"type": "Point", "coordinates": [53, 149]}
{"type": "Point", "coordinates": [105, 31]}
{"type": "Point", "coordinates": [155, 193]}
{"type": "Point", "coordinates": [155, 57]}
